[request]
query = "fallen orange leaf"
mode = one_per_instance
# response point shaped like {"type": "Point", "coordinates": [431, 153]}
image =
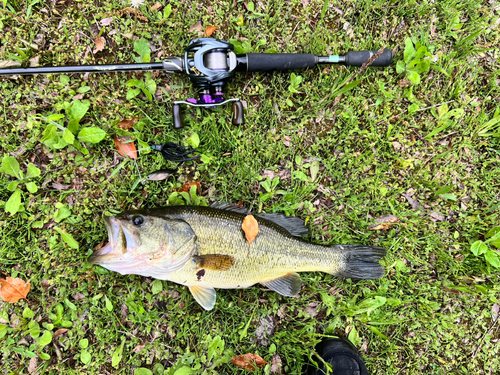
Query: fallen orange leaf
{"type": "Point", "coordinates": [13, 289]}
{"type": "Point", "coordinates": [126, 147]}
{"type": "Point", "coordinates": [127, 123]}
{"type": "Point", "coordinates": [210, 30]}
{"type": "Point", "coordinates": [251, 228]}
{"type": "Point", "coordinates": [187, 187]}
{"type": "Point", "coordinates": [248, 361]}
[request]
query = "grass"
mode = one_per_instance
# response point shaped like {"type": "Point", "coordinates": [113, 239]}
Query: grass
{"type": "Point", "coordinates": [382, 145]}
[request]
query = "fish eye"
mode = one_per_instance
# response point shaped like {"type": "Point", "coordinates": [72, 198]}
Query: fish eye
{"type": "Point", "coordinates": [138, 220]}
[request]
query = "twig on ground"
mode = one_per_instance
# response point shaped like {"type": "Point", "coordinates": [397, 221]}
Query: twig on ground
{"type": "Point", "coordinates": [435, 105]}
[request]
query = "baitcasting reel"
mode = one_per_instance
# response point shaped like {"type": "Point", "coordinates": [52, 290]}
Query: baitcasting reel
{"type": "Point", "coordinates": [209, 64]}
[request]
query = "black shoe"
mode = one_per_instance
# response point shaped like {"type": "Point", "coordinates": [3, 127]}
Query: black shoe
{"type": "Point", "coordinates": [341, 354]}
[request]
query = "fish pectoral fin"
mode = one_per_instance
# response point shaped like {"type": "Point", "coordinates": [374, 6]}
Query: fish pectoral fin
{"type": "Point", "coordinates": [205, 296]}
{"type": "Point", "coordinates": [214, 262]}
{"type": "Point", "coordinates": [180, 262]}
{"type": "Point", "coordinates": [288, 285]}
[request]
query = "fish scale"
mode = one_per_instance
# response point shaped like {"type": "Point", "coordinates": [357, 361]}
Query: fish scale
{"type": "Point", "coordinates": [205, 248]}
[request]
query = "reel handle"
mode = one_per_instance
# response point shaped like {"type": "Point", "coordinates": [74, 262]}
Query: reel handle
{"type": "Point", "coordinates": [177, 116]}
{"type": "Point", "coordinates": [237, 111]}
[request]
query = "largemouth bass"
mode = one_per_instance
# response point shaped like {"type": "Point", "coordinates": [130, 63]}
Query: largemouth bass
{"type": "Point", "coordinates": [205, 248]}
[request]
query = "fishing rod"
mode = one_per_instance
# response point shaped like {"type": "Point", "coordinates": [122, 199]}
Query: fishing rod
{"type": "Point", "coordinates": [210, 64]}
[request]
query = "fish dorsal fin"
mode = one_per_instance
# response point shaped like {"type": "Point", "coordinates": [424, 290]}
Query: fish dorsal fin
{"type": "Point", "coordinates": [288, 285]}
{"type": "Point", "coordinates": [214, 262]}
{"type": "Point", "coordinates": [230, 207]}
{"type": "Point", "coordinates": [292, 224]}
{"type": "Point", "coordinates": [205, 296]}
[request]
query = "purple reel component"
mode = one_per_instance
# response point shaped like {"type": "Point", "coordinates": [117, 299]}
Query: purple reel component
{"type": "Point", "coordinates": [207, 99]}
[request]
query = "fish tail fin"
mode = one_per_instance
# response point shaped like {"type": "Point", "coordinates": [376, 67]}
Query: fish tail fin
{"type": "Point", "coordinates": [361, 261]}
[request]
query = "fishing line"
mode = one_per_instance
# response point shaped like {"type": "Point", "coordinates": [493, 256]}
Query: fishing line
{"type": "Point", "coordinates": [170, 152]}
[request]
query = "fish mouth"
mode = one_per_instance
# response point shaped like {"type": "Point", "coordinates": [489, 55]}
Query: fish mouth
{"type": "Point", "coordinates": [119, 254]}
{"type": "Point", "coordinates": [116, 247]}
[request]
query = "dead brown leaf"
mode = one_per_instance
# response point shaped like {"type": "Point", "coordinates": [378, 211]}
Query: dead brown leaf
{"type": "Point", "coordinates": [494, 311]}
{"type": "Point", "coordinates": [59, 186]}
{"type": "Point", "coordinates": [286, 140]}
{"type": "Point", "coordinates": [197, 27]}
{"type": "Point", "coordinates": [454, 291]}
{"type": "Point", "coordinates": [60, 331]}
{"type": "Point", "coordinates": [437, 217]}
{"type": "Point", "coordinates": [33, 365]}
{"type": "Point", "coordinates": [9, 64]}
{"type": "Point", "coordinates": [312, 309]}
{"type": "Point", "coordinates": [187, 187]}
{"type": "Point", "coordinates": [78, 296]}
{"type": "Point", "coordinates": [413, 202]}
{"type": "Point", "coordinates": [404, 83]}
{"type": "Point", "coordinates": [383, 222]}
{"type": "Point", "coordinates": [248, 361]}
{"type": "Point", "coordinates": [45, 285]}
{"type": "Point", "coordinates": [100, 43]}
{"type": "Point", "coordinates": [106, 21]}
{"type": "Point", "coordinates": [126, 147]}
{"type": "Point", "coordinates": [128, 122]}
{"type": "Point", "coordinates": [13, 289]}
{"type": "Point", "coordinates": [268, 173]}
{"type": "Point", "coordinates": [378, 227]}
{"type": "Point", "coordinates": [265, 330]}
{"type": "Point", "coordinates": [138, 348]}
{"type": "Point", "coordinates": [210, 30]}
{"type": "Point", "coordinates": [276, 364]}
{"type": "Point", "coordinates": [251, 228]}
{"type": "Point", "coordinates": [156, 7]}
{"type": "Point", "coordinates": [387, 219]}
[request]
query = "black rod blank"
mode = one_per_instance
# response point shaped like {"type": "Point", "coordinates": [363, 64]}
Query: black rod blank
{"type": "Point", "coordinates": [82, 69]}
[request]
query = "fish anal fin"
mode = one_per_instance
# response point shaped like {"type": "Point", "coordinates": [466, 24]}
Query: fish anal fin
{"type": "Point", "coordinates": [288, 285]}
{"type": "Point", "coordinates": [205, 296]}
{"type": "Point", "coordinates": [292, 224]}
{"type": "Point", "coordinates": [214, 262]}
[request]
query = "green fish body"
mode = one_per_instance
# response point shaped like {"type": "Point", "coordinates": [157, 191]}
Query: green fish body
{"type": "Point", "coordinates": [205, 248]}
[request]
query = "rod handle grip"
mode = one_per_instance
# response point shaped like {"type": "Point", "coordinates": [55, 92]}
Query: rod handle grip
{"type": "Point", "coordinates": [264, 62]}
{"type": "Point", "coordinates": [358, 58]}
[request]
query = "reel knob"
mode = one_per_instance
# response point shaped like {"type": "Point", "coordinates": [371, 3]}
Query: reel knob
{"type": "Point", "coordinates": [238, 115]}
{"type": "Point", "coordinates": [177, 115]}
